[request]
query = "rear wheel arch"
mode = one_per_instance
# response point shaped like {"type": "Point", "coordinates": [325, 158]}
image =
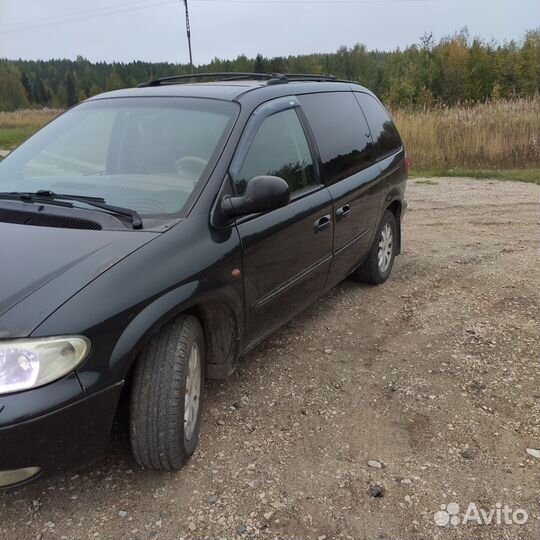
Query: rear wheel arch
{"type": "Point", "coordinates": [377, 266]}
{"type": "Point", "coordinates": [396, 207]}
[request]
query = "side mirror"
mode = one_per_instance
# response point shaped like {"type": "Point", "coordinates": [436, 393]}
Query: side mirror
{"type": "Point", "coordinates": [263, 194]}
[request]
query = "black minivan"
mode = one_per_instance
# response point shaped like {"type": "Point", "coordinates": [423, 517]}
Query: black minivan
{"type": "Point", "coordinates": [151, 236]}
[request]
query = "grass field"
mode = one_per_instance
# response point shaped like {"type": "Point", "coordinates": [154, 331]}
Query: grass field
{"type": "Point", "coordinates": [499, 139]}
{"type": "Point", "coordinates": [493, 140]}
{"type": "Point", "coordinates": [531, 175]}
{"type": "Point", "coordinates": [17, 126]}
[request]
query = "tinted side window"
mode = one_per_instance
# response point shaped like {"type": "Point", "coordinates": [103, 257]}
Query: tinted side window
{"type": "Point", "coordinates": [279, 149]}
{"type": "Point", "coordinates": [386, 138]}
{"type": "Point", "coordinates": [341, 132]}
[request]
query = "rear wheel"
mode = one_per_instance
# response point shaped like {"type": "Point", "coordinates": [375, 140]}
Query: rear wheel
{"type": "Point", "coordinates": [378, 265]}
{"type": "Point", "coordinates": [165, 408]}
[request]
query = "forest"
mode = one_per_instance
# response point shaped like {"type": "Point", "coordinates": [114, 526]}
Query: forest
{"type": "Point", "coordinates": [457, 69]}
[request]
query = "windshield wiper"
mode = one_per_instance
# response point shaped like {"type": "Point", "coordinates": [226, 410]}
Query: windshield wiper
{"type": "Point", "coordinates": [59, 198]}
{"type": "Point", "coordinates": [25, 197]}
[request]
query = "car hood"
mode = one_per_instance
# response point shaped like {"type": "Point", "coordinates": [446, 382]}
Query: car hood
{"type": "Point", "coordinates": [41, 268]}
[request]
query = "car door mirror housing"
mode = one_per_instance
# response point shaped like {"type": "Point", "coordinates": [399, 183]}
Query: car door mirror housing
{"type": "Point", "coordinates": [263, 194]}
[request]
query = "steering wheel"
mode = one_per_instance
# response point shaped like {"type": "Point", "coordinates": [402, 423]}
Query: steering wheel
{"type": "Point", "coordinates": [191, 166]}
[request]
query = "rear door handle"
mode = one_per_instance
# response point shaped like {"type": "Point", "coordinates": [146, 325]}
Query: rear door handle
{"type": "Point", "coordinates": [344, 211]}
{"type": "Point", "coordinates": [323, 223]}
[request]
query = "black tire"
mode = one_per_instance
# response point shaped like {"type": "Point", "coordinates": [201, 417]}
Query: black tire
{"type": "Point", "coordinates": [157, 427]}
{"type": "Point", "coordinates": [370, 272]}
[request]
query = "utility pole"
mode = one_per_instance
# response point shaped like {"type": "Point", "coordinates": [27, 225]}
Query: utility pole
{"type": "Point", "coordinates": [188, 30]}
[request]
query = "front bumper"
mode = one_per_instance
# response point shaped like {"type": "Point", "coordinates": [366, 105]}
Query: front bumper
{"type": "Point", "coordinates": [40, 436]}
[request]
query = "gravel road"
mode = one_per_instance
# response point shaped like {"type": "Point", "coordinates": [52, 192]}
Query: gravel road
{"type": "Point", "coordinates": [364, 415]}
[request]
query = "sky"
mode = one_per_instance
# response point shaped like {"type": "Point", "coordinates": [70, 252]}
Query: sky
{"type": "Point", "coordinates": [154, 30]}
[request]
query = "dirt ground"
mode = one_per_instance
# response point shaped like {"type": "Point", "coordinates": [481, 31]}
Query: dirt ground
{"type": "Point", "coordinates": [433, 378]}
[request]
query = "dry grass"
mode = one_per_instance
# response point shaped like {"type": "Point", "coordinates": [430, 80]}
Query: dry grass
{"type": "Point", "coordinates": [16, 126]}
{"type": "Point", "coordinates": [27, 118]}
{"type": "Point", "coordinates": [497, 135]}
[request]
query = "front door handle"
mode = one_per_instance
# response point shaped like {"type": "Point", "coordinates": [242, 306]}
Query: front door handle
{"type": "Point", "coordinates": [344, 211]}
{"type": "Point", "coordinates": [323, 223]}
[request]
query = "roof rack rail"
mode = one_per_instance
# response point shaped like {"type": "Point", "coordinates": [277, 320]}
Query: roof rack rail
{"type": "Point", "coordinates": [225, 76]}
{"type": "Point", "coordinates": [310, 77]}
{"type": "Point", "coordinates": [271, 78]}
{"type": "Point", "coordinates": [299, 77]}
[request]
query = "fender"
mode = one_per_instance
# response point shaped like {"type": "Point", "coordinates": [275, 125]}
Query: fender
{"type": "Point", "coordinates": [119, 310]}
{"type": "Point", "coordinates": [221, 307]}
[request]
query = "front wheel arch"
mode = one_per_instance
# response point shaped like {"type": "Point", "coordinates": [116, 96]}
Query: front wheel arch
{"type": "Point", "coordinates": [218, 314]}
{"type": "Point", "coordinates": [165, 402]}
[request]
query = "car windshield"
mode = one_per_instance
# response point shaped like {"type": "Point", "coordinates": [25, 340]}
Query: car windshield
{"type": "Point", "coordinates": [147, 154]}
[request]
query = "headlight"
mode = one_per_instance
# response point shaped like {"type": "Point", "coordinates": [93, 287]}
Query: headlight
{"type": "Point", "coordinates": [29, 363]}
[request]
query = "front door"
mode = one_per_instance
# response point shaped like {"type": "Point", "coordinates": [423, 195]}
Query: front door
{"type": "Point", "coordinates": [286, 252]}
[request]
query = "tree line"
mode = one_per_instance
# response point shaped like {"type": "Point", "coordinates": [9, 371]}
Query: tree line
{"type": "Point", "coordinates": [456, 69]}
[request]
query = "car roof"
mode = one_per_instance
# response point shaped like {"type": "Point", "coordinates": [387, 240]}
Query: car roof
{"type": "Point", "coordinates": [233, 90]}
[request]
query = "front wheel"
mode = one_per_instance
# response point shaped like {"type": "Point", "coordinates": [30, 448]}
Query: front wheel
{"type": "Point", "coordinates": [165, 408]}
{"type": "Point", "coordinates": [378, 265]}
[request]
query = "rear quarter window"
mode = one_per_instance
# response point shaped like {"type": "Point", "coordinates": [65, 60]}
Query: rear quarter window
{"type": "Point", "coordinates": [386, 139]}
{"type": "Point", "coordinates": [341, 132]}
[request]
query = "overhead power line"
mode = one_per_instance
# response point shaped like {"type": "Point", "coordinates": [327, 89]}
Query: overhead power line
{"type": "Point", "coordinates": [7, 28]}
{"type": "Point", "coordinates": [137, 5]}
{"type": "Point", "coordinates": [131, 5]}
{"type": "Point", "coordinates": [255, 2]}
